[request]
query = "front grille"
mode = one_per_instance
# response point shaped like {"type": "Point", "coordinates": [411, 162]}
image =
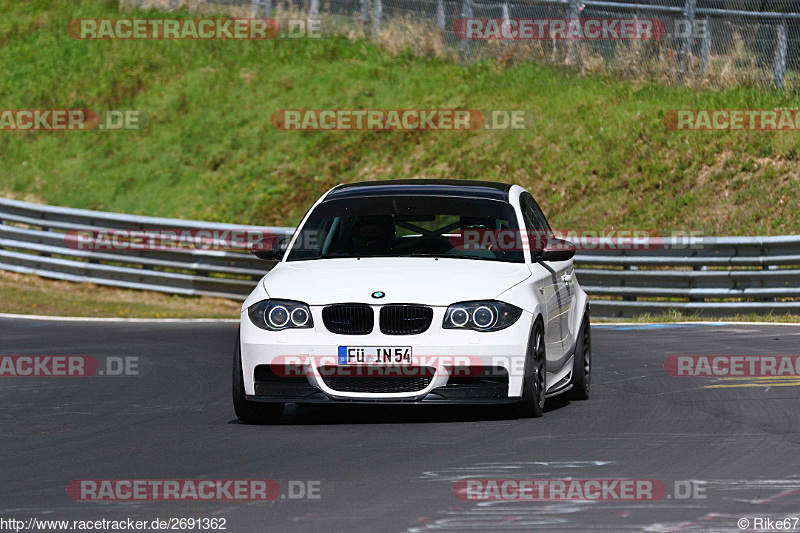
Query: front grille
{"type": "Point", "coordinates": [377, 384]}
{"type": "Point", "coordinates": [349, 319]}
{"type": "Point", "coordinates": [405, 319]}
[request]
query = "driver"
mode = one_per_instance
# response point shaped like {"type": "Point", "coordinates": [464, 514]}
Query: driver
{"type": "Point", "coordinates": [374, 235]}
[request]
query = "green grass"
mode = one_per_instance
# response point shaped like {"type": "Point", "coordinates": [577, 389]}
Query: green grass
{"type": "Point", "coordinates": [598, 155]}
{"type": "Point", "coordinates": [27, 294]}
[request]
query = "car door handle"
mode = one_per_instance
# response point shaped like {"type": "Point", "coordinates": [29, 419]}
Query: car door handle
{"type": "Point", "coordinates": [567, 278]}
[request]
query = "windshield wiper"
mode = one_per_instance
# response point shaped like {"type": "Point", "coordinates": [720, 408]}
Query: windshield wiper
{"type": "Point", "coordinates": [448, 256]}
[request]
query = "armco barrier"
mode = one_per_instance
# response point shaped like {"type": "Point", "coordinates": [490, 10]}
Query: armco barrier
{"type": "Point", "coordinates": [710, 275]}
{"type": "Point", "coordinates": [32, 241]}
{"type": "Point", "coordinates": [713, 276]}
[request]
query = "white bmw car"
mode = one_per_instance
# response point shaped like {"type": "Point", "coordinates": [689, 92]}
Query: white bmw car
{"type": "Point", "coordinates": [415, 292]}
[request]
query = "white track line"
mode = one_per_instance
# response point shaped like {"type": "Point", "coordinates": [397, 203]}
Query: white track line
{"type": "Point", "coordinates": [113, 319]}
{"type": "Point", "coordinates": [698, 323]}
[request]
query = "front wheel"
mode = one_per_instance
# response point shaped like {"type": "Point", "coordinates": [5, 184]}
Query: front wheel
{"type": "Point", "coordinates": [582, 363]}
{"type": "Point", "coordinates": [534, 383]}
{"type": "Point", "coordinates": [247, 411]}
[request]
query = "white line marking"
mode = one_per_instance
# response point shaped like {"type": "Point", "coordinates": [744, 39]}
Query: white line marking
{"type": "Point", "coordinates": [113, 319]}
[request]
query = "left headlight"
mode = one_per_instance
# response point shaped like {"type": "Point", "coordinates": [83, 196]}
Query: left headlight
{"type": "Point", "coordinates": [276, 315]}
{"type": "Point", "coordinates": [481, 316]}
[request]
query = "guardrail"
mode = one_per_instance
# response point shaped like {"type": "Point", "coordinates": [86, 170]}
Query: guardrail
{"type": "Point", "coordinates": [708, 275]}
{"type": "Point", "coordinates": [33, 239]}
{"type": "Point", "coordinates": [714, 276]}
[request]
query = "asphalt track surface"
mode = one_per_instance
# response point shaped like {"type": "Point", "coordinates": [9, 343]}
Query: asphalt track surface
{"type": "Point", "coordinates": [393, 468]}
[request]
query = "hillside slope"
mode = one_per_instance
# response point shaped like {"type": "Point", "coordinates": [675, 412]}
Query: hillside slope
{"type": "Point", "coordinates": [598, 155]}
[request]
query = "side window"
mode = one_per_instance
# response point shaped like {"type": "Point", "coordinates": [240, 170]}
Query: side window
{"type": "Point", "coordinates": [526, 202]}
{"type": "Point", "coordinates": [534, 218]}
{"type": "Point", "coordinates": [539, 215]}
{"type": "Point", "coordinates": [535, 223]}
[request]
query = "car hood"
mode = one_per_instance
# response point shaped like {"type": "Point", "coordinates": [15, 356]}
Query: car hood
{"type": "Point", "coordinates": [436, 282]}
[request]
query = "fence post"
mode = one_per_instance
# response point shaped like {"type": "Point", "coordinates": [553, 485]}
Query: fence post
{"type": "Point", "coordinates": [376, 21]}
{"type": "Point", "coordinates": [504, 25]}
{"type": "Point", "coordinates": [440, 20]}
{"type": "Point", "coordinates": [686, 49]}
{"type": "Point", "coordinates": [365, 17]}
{"type": "Point", "coordinates": [313, 10]}
{"type": "Point", "coordinates": [705, 49]}
{"type": "Point", "coordinates": [573, 12]}
{"type": "Point", "coordinates": [466, 13]}
{"type": "Point", "coordinates": [780, 55]}
{"type": "Point", "coordinates": [261, 9]}
{"type": "Point", "coordinates": [573, 9]}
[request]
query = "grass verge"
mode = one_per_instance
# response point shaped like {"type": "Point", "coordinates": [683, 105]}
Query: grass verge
{"type": "Point", "coordinates": [28, 294]}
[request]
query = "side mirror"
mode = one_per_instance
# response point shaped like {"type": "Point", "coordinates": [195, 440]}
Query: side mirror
{"type": "Point", "coordinates": [557, 250]}
{"type": "Point", "coordinates": [270, 248]}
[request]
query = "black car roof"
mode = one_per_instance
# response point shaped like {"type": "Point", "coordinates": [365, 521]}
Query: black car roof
{"type": "Point", "coordinates": [423, 187]}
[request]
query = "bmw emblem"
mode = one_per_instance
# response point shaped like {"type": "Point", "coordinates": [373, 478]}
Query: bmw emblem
{"type": "Point", "coordinates": [378, 294]}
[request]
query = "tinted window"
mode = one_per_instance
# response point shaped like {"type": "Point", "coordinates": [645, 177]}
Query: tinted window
{"type": "Point", "coordinates": [537, 226]}
{"type": "Point", "coordinates": [534, 217]}
{"type": "Point", "coordinates": [406, 226]}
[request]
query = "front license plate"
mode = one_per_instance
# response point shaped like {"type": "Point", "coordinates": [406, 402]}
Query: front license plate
{"type": "Point", "coordinates": [374, 355]}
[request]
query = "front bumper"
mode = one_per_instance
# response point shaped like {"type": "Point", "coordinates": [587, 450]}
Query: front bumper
{"type": "Point", "coordinates": [446, 395]}
{"type": "Point", "coordinates": [501, 354]}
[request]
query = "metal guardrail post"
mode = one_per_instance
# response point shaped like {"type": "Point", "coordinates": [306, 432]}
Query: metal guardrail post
{"type": "Point", "coordinates": [313, 10]}
{"type": "Point", "coordinates": [365, 17]}
{"type": "Point", "coordinates": [573, 13]}
{"type": "Point", "coordinates": [440, 18]}
{"type": "Point", "coordinates": [692, 285]}
{"type": "Point", "coordinates": [705, 49]}
{"type": "Point", "coordinates": [780, 54]}
{"type": "Point", "coordinates": [466, 45]}
{"type": "Point", "coordinates": [622, 284]}
{"type": "Point", "coordinates": [376, 17]}
{"type": "Point", "coordinates": [686, 50]}
{"type": "Point", "coordinates": [261, 9]}
{"type": "Point", "coordinates": [505, 15]}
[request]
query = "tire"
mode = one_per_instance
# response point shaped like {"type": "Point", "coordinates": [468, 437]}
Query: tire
{"type": "Point", "coordinates": [247, 411]}
{"type": "Point", "coordinates": [534, 384]}
{"type": "Point", "coordinates": [582, 364]}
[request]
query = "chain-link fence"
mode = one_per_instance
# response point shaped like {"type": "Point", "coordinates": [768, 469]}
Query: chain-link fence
{"type": "Point", "coordinates": [703, 43]}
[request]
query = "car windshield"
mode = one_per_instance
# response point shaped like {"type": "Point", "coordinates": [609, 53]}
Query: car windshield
{"type": "Point", "coordinates": [406, 226]}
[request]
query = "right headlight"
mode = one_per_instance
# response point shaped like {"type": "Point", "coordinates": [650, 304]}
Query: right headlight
{"type": "Point", "coordinates": [275, 315]}
{"type": "Point", "coordinates": [481, 316]}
